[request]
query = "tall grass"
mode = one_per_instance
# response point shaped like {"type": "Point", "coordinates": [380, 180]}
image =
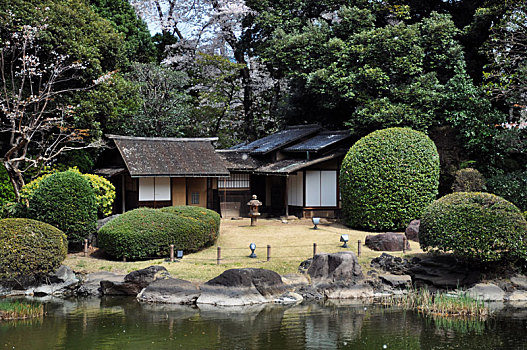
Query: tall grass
{"type": "Point", "coordinates": [441, 303]}
{"type": "Point", "coordinates": [17, 310]}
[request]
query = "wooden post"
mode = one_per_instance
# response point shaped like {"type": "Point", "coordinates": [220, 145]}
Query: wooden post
{"type": "Point", "coordinates": [404, 244]}
{"type": "Point", "coordinates": [171, 253]}
{"type": "Point", "coordinates": [124, 258]}
{"type": "Point", "coordinates": [359, 247]}
{"type": "Point", "coordinates": [314, 249]}
{"type": "Point", "coordinates": [85, 247]}
{"type": "Point", "coordinates": [218, 258]}
{"type": "Point", "coordinates": [268, 252]}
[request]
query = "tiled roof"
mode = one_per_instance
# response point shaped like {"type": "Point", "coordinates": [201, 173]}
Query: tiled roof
{"type": "Point", "coordinates": [288, 166]}
{"type": "Point", "coordinates": [278, 140]}
{"type": "Point", "coordinates": [183, 157]}
{"type": "Point", "coordinates": [238, 160]}
{"type": "Point", "coordinates": [319, 141]}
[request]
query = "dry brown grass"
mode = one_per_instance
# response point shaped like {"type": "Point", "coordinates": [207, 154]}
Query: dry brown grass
{"type": "Point", "coordinates": [290, 243]}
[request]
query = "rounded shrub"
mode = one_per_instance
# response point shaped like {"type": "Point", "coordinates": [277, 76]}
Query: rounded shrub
{"type": "Point", "coordinates": [474, 225]}
{"type": "Point", "coordinates": [146, 233]}
{"type": "Point", "coordinates": [207, 216]}
{"type": "Point", "coordinates": [6, 188]}
{"type": "Point", "coordinates": [65, 200]}
{"type": "Point", "coordinates": [104, 191]}
{"type": "Point", "coordinates": [468, 180]}
{"type": "Point", "coordinates": [388, 178]}
{"type": "Point", "coordinates": [29, 249]}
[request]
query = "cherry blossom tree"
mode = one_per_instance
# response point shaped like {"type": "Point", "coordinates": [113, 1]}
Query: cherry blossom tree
{"type": "Point", "coordinates": [35, 117]}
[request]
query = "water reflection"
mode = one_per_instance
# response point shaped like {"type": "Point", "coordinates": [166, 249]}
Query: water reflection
{"type": "Point", "coordinates": [119, 323]}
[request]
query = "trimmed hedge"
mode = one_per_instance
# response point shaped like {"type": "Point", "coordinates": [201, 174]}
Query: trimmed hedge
{"type": "Point", "coordinates": [209, 217]}
{"type": "Point", "coordinates": [474, 225]}
{"type": "Point", "coordinates": [512, 187]}
{"type": "Point", "coordinates": [388, 178]}
{"type": "Point", "coordinates": [65, 200]}
{"type": "Point", "coordinates": [468, 180]}
{"type": "Point", "coordinates": [30, 249]}
{"type": "Point", "coordinates": [146, 233]}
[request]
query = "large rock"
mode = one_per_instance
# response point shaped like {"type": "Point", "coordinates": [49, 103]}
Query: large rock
{"type": "Point", "coordinates": [242, 287]}
{"type": "Point", "coordinates": [412, 231]}
{"type": "Point", "coordinates": [396, 281]}
{"type": "Point", "coordinates": [147, 275]}
{"type": "Point", "coordinates": [443, 272]}
{"type": "Point", "coordinates": [170, 291]}
{"type": "Point", "coordinates": [336, 267]}
{"type": "Point", "coordinates": [135, 281]}
{"type": "Point", "coordinates": [486, 292]}
{"type": "Point", "coordinates": [519, 281]}
{"type": "Point", "coordinates": [392, 264]}
{"type": "Point", "coordinates": [389, 241]}
{"type": "Point", "coordinates": [92, 282]}
{"type": "Point", "coordinates": [62, 282]}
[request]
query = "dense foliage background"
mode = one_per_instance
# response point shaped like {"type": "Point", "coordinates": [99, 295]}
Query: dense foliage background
{"type": "Point", "coordinates": [241, 69]}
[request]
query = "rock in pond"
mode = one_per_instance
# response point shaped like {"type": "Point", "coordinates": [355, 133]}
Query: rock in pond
{"type": "Point", "coordinates": [170, 291]}
{"type": "Point", "coordinates": [242, 287]}
{"type": "Point", "coordinates": [336, 267]}
{"type": "Point", "coordinates": [486, 292]}
{"type": "Point", "coordinates": [389, 241]}
{"type": "Point", "coordinates": [134, 282]}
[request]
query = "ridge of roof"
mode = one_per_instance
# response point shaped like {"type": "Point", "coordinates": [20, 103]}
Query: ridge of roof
{"type": "Point", "coordinates": [170, 139]}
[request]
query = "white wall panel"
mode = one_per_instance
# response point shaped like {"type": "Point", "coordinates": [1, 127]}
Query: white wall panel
{"type": "Point", "coordinates": [328, 188]}
{"type": "Point", "coordinates": [162, 189]}
{"type": "Point", "coordinates": [312, 188]}
{"type": "Point", "coordinates": [146, 188]}
{"type": "Point", "coordinates": [300, 189]}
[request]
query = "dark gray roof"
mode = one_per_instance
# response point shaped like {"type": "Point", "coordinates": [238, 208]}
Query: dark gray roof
{"type": "Point", "coordinates": [176, 157]}
{"type": "Point", "coordinates": [238, 160]}
{"type": "Point", "coordinates": [278, 139]}
{"type": "Point", "coordinates": [288, 166]}
{"type": "Point", "coordinates": [319, 141]}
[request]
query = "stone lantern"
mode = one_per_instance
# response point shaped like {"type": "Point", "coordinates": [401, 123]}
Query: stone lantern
{"type": "Point", "coordinates": [253, 209]}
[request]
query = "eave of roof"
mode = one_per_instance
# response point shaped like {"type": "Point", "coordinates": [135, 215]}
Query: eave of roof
{"type": "Point", "coordinates": [319, 142]}
{"type": "Point", "coordinates": [288, 166]}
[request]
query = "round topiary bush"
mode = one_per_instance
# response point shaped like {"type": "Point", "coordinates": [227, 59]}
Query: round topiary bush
{"type": "Point", "coordinates": [474, 225]}
{"type": "Point", "coordinates": [65, 200]}
{"type": "Point", "coordinates": [104, 191]}
{"type": "Point", "coordinates": [207, 216]}
{"type": "Point", "coordinates": [30, 249]}
{"type": "Point", "coordinates": [468, 180]}
{"type": "Point", "coordinates": [388, 178]}
{"type": "Point", "coordinates": [146, 233]}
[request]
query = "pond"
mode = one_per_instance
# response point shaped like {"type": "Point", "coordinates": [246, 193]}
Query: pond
{"type": "Point", "coordinates": [123, 323]}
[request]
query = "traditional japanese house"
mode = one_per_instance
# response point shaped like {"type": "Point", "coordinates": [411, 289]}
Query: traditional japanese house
{"type": "Point", "coordinates": [158, 172]}
{"type": "Point", "coordinates": [294, 171]}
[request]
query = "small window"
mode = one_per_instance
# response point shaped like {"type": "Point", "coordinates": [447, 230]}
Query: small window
{"type": "Point", "coordinates": [234, 181]}
{"type": "Point", "coordinates": [194, 198]}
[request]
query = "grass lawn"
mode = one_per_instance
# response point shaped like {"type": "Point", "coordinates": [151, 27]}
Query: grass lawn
{"type": "Point", "coordinates": [290, 243]}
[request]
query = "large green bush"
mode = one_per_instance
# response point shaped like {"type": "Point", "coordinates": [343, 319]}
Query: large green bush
{"type": "Point", "coordinates": [388, 178]}
{"type": "Point", "coordinates": [512, 187]}
{"type": "Point", "coordinates": [474, 225]}
{"type": "Point", "coordinates": [209, 217]}
{"type": "Point", "coordinates": [145, 233]}
{"type": "Point", "coordinates": [65, 200]}
{"type": "Point", "coordinates": [29, 249]}
{"type": "Point", "coordinates": [104, 191]}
